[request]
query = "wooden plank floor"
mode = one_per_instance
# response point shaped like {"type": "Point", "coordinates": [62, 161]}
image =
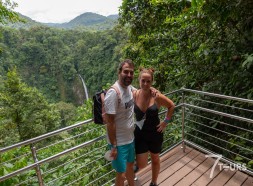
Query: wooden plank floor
{"type": "Point", "coordinates": [192, 168]}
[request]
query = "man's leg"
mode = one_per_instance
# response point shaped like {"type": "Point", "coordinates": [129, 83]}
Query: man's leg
{"type": "Point", "coordinates": [120, 165]}
{"type": "Point", "coordinates": [130, 174]}
{"type": "Point", "coordinates": [120, 178]}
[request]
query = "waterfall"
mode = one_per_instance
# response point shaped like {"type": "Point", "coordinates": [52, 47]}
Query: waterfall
{"type": "Point", "coordinates": [84, 87]}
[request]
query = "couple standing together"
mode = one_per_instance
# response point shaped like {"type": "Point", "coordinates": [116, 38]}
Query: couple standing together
{"type": "Point", "coordinates": [126, 140]}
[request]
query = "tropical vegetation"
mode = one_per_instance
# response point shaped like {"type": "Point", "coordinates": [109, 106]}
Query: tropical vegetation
{"type": "Point", "coordinates": [200, 44]}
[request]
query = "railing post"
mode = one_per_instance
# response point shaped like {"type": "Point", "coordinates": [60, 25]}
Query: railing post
{"type": "Point", "coordinates": [37, 168]}
{"type": "Point", "coordinates": [183, 117]}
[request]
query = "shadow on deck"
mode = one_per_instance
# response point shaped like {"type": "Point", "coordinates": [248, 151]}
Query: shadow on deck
{"type": "Point", "coordinates": [193, 168]}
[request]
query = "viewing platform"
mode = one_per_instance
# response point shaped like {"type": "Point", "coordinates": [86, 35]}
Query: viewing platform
{"type": "Point", "coordinates": [208, 142]}
{"type": "Point", "coordinates": [192, 167]}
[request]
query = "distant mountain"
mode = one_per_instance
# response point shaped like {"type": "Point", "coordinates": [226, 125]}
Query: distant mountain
{"type": "Point", "coordinates": [88, 21]}
{"type": "Point", "coordinates": [114, 17]}
{"type": "Point", "coordinates": [28, 22]}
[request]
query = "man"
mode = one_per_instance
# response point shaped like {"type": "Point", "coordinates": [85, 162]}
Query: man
{"type": "Point", "coordinates": [120, 124]}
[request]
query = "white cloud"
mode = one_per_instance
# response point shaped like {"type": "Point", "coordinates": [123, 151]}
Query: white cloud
{"type": "Point", "coordinates": [59, 11]}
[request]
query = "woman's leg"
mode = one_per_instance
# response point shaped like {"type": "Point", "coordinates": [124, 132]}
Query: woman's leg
{"type": "Point", "coordinates": [142, 160]}
{"type": "Point", "coordinates": [155, 165]}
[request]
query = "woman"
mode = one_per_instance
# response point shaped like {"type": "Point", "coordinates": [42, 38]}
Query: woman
{"type": "Point", "coordinates": [149, 130]}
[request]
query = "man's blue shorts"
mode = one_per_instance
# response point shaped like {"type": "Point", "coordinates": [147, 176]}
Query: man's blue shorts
{"type": "Point", "coordinates": [126, 154]}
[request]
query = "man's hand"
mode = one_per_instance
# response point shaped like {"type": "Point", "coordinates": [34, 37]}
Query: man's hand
{"type": "Point", "coordinates": [114, 153]}
{"type": "Point", "coordinates": [154, 91]}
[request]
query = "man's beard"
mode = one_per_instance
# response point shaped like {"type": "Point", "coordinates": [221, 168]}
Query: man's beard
{"type": "Point", "coordinates": [127, 81]}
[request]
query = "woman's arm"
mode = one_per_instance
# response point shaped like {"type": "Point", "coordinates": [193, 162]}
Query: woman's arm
{"type": "Point", "coordinates": [164, 101]}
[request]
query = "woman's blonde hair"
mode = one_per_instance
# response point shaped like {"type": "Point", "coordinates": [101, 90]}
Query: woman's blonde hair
{"type": "Point", "coordinates": [148, 71]}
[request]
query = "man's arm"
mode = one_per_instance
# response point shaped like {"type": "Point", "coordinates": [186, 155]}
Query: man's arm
{"type": "Point", "coordinates": [111, 130]}
{"type": "Point", "coordinates": [153, 90]}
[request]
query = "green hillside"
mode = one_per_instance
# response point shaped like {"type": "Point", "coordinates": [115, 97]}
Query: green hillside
{"type": "Point", "coordinates": [51, 59]}
{"type": "Point", "coordinates": [27, 23]}
{"type": "Point", "coordinates": [85, 21]}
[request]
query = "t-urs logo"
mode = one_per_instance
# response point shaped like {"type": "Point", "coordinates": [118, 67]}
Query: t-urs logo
{"type": "Point", "coordinates": [231, 167]}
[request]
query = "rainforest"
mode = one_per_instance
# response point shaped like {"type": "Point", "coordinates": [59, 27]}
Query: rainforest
{"type": "Point", "coordinates": [204, 45]}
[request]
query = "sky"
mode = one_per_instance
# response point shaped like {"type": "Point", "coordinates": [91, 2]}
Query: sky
{"type": "Point", "coordinates": [60, 11]}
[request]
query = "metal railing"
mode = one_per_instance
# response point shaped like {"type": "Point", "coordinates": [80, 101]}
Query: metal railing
{"type": "Point", "coordinates": [74, 154]}
{"type": "Point", "coordinates": [35, 159]}
{"type": "Point", "coordinates": [220, 125]}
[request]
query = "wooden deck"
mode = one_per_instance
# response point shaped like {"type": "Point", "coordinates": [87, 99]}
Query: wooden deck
{"type": "Point", "coordinates": [192, 168]}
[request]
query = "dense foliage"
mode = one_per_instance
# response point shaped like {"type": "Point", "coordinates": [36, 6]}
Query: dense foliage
{"type": "Point", "coordinates": [25, 113]}
{"type": "Point", "coordinates": [204, 45]}
{"type": "Point", "coordinates": [40, 74]}
{"type": "Point", "coordinates": [51, 59]}
{"type": "Point", "coordinates": [7, 12]}
{"type": "Point", "coordinates": [199, 44]}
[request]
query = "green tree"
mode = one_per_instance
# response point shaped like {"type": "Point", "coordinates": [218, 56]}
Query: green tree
{"type": "Point", "coordinates": [7, 14]}
{"type": "Point", "coordinates": [196, 44]}
{"type": "Point", "coordinates": [67, 112]}
{"type": "Point", "coordinates": [24, 111]}
{"type": "Point", "coordinates": [199, 44]}
{"type": "Point", "coordinates": [52, 59]}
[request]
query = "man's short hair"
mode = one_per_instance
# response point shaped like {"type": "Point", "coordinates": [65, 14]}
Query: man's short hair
{"type": "Point", "coordinates": [128, 61]}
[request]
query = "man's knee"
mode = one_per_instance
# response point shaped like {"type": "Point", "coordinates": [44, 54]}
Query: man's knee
{"type": "Point", "coordinates": [121, 175]}
{"type": "Point", "coordinates": [130, 164]}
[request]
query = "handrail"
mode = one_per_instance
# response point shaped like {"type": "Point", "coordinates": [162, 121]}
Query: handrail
{"type": "Point", "coordinates": [41, 137]}
{"type": "Point", "coordinates": [49, 159]}
{"type": "Point", "coordinates": [239, 118]}
{"type": "Point", "coordinates": [222, 122]}
{"type": "Point", "coordinates": [220, 113]}
{"type": "Point", "coordinates": [224, 105]}
{"type": "Point", "coordinates": [218, 95]}
{"type": "Point", "coordinates": [174, 92]}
